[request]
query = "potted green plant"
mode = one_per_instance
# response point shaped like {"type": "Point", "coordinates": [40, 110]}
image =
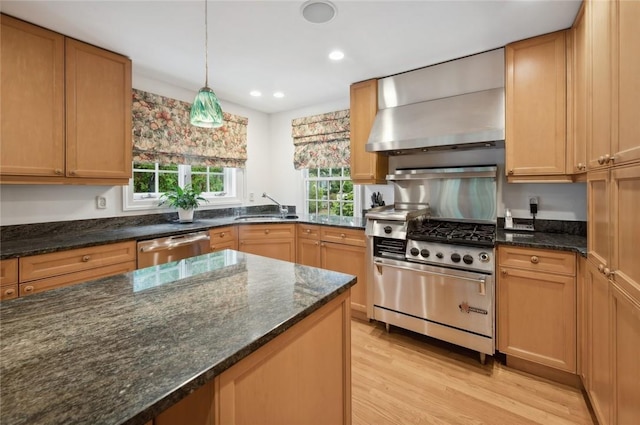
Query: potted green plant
{"type": "Point", "coordinates": [185, 199]}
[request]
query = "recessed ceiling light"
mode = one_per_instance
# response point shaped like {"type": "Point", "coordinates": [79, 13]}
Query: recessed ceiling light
{"type": "Point", "coordinates": [255, 93]}
{"type": "Point", "coordinates": [318, 11]}
{"type": "Point", "coordinates": [278, 94]}
{"type": "Point", "coordinates": [336, 55]}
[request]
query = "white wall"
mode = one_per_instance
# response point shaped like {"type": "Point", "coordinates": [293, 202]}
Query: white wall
{"type": "Point", "coordinates": [24, 204]}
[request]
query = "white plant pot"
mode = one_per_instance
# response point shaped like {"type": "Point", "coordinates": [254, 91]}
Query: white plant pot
{"type": "Point", "coordinates": [185, 216]}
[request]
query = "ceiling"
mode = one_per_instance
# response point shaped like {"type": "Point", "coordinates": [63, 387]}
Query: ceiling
{"type": "Point", "coordinates": [268, 46]}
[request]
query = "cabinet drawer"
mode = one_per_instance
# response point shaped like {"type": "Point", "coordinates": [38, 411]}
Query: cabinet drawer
{"type": "Point", "coordinates": [223, 235]}
{"type": "Point", "coordinates": [342, 235]}
{"type": "Point", "coordinates": [55, 282]}
{"type": "Point", "coordinates": [9, 292]}
{"type": "Point", "coordinates": [537, 259]}
{"type": "Point", "coordinates": [9, 271]}
{"type": "Point", "coordinates": [75, 260]}
{"type": "Point", "coordinates": [308, 231]}
{"type": "Point", "coordinates": [266, 231]}
{"type": "Point", "coordinates": [224, 245]}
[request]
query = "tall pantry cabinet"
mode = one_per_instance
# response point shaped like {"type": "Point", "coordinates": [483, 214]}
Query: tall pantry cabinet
{"type": "Point", "coordinates": [611, 371]}
{"type": "Point", "coordinates": [66, 109]}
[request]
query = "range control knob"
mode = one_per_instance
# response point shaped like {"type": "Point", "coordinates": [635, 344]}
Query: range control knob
{"type": "Point", "coordinates": [467, 259]}
{"type": "Point", "coordinates": [484, 257]}
{"type": "Point", "coordinates": [387, 229]}
{"type": "Point", "coordinates": [439, 255]}
{"type": "Point", "coordinates": [414, 251]}
{"type": "Point", "coordinates": [424, 253]}
{"type": "Point", "coordinates": [455, 257]}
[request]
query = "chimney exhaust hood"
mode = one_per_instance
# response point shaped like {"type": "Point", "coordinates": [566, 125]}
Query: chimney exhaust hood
{"type": "Point", "coordinates": [458, 104]}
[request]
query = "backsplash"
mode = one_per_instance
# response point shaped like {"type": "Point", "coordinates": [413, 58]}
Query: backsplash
{"type": "Point", "coordinates": [578, 228]}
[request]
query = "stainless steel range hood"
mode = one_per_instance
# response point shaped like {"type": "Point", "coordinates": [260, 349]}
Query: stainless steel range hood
{"type": "Point", "coordinates": [454, 105]}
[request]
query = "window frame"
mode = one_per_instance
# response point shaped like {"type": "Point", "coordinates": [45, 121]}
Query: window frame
{"type": "Point", "coordinates": [234, 183]}
{"type": "Point", "coordinates": [306, 179]}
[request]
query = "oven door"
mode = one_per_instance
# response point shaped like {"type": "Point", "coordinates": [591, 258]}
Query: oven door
{"type": "Point", "coordinates": [453, 298]}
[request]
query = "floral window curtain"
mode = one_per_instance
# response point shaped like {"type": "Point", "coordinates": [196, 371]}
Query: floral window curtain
{"type": "Point", "coordinates": [321, 141]}
{"type": "Point", "coordinates": [162, 133]}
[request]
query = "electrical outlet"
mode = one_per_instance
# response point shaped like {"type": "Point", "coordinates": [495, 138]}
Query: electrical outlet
{"type": "Point", "coordinates": [101, 202]}
{"type": "Point", "coordinates": [533, 204]}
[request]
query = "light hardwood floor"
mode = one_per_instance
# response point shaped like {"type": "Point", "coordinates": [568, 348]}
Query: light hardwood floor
{"type": "Point", "coordinates": [404, 378]}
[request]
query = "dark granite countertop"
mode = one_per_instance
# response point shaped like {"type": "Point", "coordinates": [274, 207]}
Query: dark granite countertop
{"type": "Point", "coordinates": [558, 241]}
{"type": "Point", "coordinates": [121, 349]}
{"type": "Point", "coordinates": [63, 238]}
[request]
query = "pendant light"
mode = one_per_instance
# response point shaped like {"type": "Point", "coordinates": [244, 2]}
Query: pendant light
{"type": "Point", "coordinates": [206, 111]}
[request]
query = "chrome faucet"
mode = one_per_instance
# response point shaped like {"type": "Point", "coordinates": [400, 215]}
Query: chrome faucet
{"type": "Point", "coordinates": [283, 210]}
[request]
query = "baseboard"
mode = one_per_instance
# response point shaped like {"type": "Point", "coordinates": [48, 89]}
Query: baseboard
{"type": "Point", "coordinates": [546, 372]}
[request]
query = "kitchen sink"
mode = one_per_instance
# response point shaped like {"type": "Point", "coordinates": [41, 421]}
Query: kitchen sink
{"type": "Point", "coordinates": [265, 217]}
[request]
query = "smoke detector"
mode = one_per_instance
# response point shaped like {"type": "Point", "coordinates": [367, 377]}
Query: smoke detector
{"type": "Point", "coordinates": [318, 11]}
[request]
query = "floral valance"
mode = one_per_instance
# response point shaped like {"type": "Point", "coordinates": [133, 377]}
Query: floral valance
{"type": "Point", "coordinates": [321, 141]}
{"type": "Point", "coordinates": [162, 133]}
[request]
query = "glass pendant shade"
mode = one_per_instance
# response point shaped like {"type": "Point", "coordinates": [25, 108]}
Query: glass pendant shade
{"type": "Point", "coordinates": [206, 111]}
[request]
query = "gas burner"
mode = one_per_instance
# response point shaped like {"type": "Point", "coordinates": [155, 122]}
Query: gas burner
{"type": "Point", "coordinates": [462, 233]}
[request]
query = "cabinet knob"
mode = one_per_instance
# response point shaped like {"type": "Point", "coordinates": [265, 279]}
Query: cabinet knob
{"type": "Point", "coordinates": [266, 231]}
{"type": "Point", "coordinates": [322, 244]}
{"type": "Point", "coordinates": [317, 243]}
{"type": "Point", "coordinates": [504, 272]}
{"type": "Point", "coordinates": [86, 258]}
{"type": "Point", "coordinates": [222, 234]}
{"type": "Point", "coordinates": [511, 171]}
{"type": "Point", "coordinates": [601, 160]}
{"type": "Point", "coordinates": [608, 158]}
{"type": "Point", "coordinates": [535, 259]}
{"type": "Point", "coordinates": [72, 173]}
{"type": "Point", "coordinates": [342, 235]}
{"type": "Point", "coordinates": [580, 166]}
{"type": "Point", "coordinates": [308, 230]}
{"type": "Point", "coordinates": [600, 268]}
{"type": "Point", "coordinates": [607, 272]}
{"type": "Point", "coordinates": [58, 171]}
{"type": "Point", "coordinates": [28, 288]}
{"type": "Point", "coordinates": [10, 291]}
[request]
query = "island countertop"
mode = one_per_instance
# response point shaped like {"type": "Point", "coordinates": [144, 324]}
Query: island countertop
{"type": "Point", "coordinates": [120, 350]}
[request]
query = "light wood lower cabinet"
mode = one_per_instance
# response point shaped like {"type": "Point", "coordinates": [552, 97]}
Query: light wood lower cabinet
{"type": "Point", "coordinates": [223, 238]}
{"type": "Point", "coordinates": [269, 240]}
{"type": "Point", "coordinates": [8, 279]}
{"type": "Point", "coordinates": [537, 306]}
{"type": "Point", "coordinates": [43, 272]}
{"type": "Point", "coordinates": [301, 377]}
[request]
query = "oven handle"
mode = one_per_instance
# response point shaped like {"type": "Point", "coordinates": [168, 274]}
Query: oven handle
{"type": "Point", "coordinates": [482, 284]}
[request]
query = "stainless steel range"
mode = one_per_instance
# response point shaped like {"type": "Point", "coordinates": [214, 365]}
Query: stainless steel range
{"type": "Point", "coordinates": [432, 268]}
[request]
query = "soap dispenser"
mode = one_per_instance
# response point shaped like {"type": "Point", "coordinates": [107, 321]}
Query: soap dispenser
{"type": "Point", "coordinates": [508, 220]}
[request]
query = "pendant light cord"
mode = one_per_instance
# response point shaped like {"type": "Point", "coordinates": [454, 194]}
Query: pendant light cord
{"type": "Point", "coordinates": [206, 46]}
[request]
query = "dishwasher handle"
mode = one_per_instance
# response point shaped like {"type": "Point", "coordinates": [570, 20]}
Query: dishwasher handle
{"type": "Point", "coordinates": [175, 242]}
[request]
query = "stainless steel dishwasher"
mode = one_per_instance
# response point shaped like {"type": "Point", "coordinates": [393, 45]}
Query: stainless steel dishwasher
{"type": "Point", "coordinates": [172, 248]}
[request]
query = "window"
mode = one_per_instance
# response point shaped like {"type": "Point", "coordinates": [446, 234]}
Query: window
{"type": "Point", "coordinates": [329, 191]}
{"type": "Point", "coordinates": [218, 185]}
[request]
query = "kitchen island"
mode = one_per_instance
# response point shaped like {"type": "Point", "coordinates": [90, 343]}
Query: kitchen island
{"type": "Point", "coordinates": [266, 337]}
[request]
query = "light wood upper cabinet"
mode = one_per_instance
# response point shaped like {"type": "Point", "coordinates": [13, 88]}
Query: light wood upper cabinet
{"type": "Point", "coordinates": [66, 109]}
{"type": "Point", "coordinates": [537, 306]}
{"type": "Point", "coordinates": [578, 95]}
{"type": "Point", "coordinates": [626, 146]}
{"type": "Point", "coordinates": [32, 96]}
{"type": "Point", "coordinates": [98, 111]}
{"type": "Point", "coordinates": [536, 86]}
{"type": "Point", "coordinates": [366, 167]}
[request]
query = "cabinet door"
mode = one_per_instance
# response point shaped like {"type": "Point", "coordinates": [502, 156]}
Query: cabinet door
{"type": "Point", "coordinates": [536, 106]}
{"type": "Point", "coordinates": [625, 226]}
{"type": "Point", "coordinates": [599, 144]}
{"type": "Point", "coordinates": [280, 249]}
{"type": "Point", "coordinates": [98, 111]}
{"type": "Point", "coordinates": [308, 252]}
{"type": "Point", "coordinates": [626, 367]}
{"type": "Point", "coordinates": [351, 260]}
{"type": "Point", "coordinates": [223, 238]}
{"type": "Point", "coordinates": [599, 344]}
{"type": "Point", "coordinates": [195, 409]}
{"type": "Point", "coordinates": [580, 82]}
{"type": "Point", "coordinates": [598, 233]}
{"type": "Point", "coordinates": [626, 147]}
{"type": "Point", "coordinates": [543, 331]}
{"type": "Point", "coordinates": [32, 100]}
{"type": "Point", "coordinates": [366, 167]}
{"type": "Point", "coordinates": [582, 318]}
